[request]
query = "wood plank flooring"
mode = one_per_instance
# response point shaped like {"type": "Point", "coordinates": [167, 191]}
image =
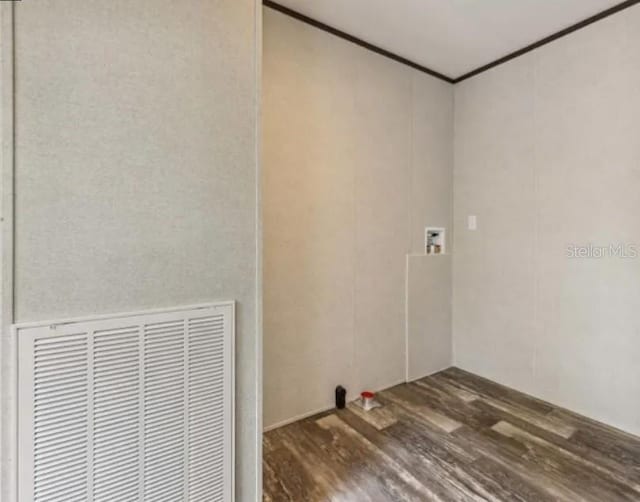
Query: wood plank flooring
{"type": "Point", "coordinates": [451, 437]}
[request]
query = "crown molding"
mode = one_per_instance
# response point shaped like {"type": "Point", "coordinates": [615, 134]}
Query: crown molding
{"type": "Point", "coordinates": [452, 80]}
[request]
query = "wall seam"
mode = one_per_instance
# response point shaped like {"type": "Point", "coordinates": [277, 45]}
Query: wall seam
{"type": "Point", "coordinates": [410, 219]}
{"type": "Point", "coordinates": [536, 222]}
{"type": "Point", "coordinates": [259, 357]}
{"type": "Point", "coordinates": [452, 233]}
{"type": "Point", "coordinates": [8, 362]}
{"type": "Point", "coordinates": [354, 246]}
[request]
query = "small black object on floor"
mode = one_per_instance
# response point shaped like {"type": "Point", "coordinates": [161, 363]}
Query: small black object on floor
{"type": "Point", "coordinates": [341, 397]}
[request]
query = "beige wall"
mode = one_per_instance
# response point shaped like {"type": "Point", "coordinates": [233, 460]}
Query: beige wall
{"type": "Point", "coordinates": [357, 161]}
{"type": "Point", "coordinates": [429, 341]}
{"type": "Point", "coordinates": [547, 155]}
{"type": "Point", "coordinates": [136, 168]}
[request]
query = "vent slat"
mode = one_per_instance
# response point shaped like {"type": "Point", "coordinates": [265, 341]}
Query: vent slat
{"type": "Point", "coordinates": [45, 406]}
{"type": "Point", "coordinates": [62, 475]}
{"type": "Point", "coordinates": [163, 365]}
{"type": "Point", "coordinates": [156, 339]}
{"type": "Point", "coordinates": [171, 391]}
{"type": "Point", "coordinates": [202, 475]}
{"type": "Point", "coordinates": [61, 369]}
{"type": "Point", "coordinates": [106, 408]}
{"type": "Point", "coordinates": [54, 356]}
{"type": "Point", "coordinates": [46, 450]}
{"type": "Point", "coordinates": [172, 465]}
{"type": "Point", "coordinates": [58, 346]}
{"type": "Point", "coordinates": [54, 415]}
{"type": "Point", "coordinates": [61, 485]}
{"type": "Point", "coordinates": [210, 326]}
{"type": "Point", "coordinates": [68, 375]}
{"type": "Point", "coordinates": [116, 371]}
{"type": "Point", "coordinates": [44, 361]}
{"type": "Point", "coordinates": [214, 326]}
{"type": "Point", "coordinates": [57, 466]}
{"type": "Point", "coordinates": [163, 324]}
{"type": "Point", "coordinates": [155, 346]}
{"type": "Point", "coordinates": [63, 381]}
{"type": "Point", "coordinates": [113, 452]}
{"type": "Point", "coordinates": [117, 493]}
{"type": "Point", "coordinates": [208, 362]}
{"type": "Point", "coordinates": [204, 333]}
{"type": "Point", "coordinates": [52, 425]}
{"type": "Point", "coordinates": [200, 406]}
{"type": "Point", "coordinates": [162, 335]}
{"type": "Point", "coordinates": [59, 341]}
{"type": "Point", "coordinates": [53, 436]}
{"type": "Point", "coordinates": [105, 358]}
{"type": "Point", "coordinates": [61, 455]}
{"type": "Point", "coordinates": [115, 437]}
{"type": "Point", "coordinates": [117, 456]}
{"type": "Point", "coordinates": [107, 391]}
{"type": "Point", "coordinates": [108, 333]}
{"type": "Point", "coordinates": [164, 440]}
{"type": "Point", "coordinates": [118, 414]}
{"type": "Point", "coordinates": [164, 494]}
{"type": "Point", "coordinates": [117, 475]}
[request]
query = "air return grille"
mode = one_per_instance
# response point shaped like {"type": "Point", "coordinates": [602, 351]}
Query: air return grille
{"type": "Point", "coordinates": [126, 409]}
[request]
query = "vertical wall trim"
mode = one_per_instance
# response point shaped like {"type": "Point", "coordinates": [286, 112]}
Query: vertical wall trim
{"type": "Point", "coordinates": [410, 219]}
{"type": "Point", "coordinates": [454, 220]}
{"type": "Point", "coordinates": [536, 224]}
{"type": "Point", "coordinates": [259, 251]}
{"type": "Point", "coordinates": [406, 318]}
{"type": "Point", "coordinates": [8, 408]}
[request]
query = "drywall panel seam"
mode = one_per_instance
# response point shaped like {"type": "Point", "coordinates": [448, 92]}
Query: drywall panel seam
{"type": "Point", "coordinates": [452, 233]}
{"type": "Point", "coordinates": [536, 227]}
{"type": "Point", "coordinates": [354, 247]}
{"type": "Point", "coordinates": [410, 219]}
{"type": "Point", "coordinates": [452, 219]}
{"type": "Point", "coordinates": [8, 407]}
{"type": "Point", "coordinates": [406, 319]}
{"type": "Point", "coordinates": [259, 251]}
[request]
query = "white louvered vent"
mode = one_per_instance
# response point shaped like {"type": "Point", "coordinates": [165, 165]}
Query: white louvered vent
{"type": "Point", "coordinates": [126, 409]}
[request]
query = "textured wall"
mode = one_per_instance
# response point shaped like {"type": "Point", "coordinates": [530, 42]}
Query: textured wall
{"type": "Point", "coordinates": [429, 343]}
{"type": "Point", "coordinates": [357, 161]}
{"type": "Point", "coordinates": [136, 167]}
{"type": "Point", "coordinates": [547, 155]}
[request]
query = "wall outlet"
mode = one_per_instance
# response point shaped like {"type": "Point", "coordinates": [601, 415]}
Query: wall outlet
{"type": "Point", "coordinates": [472, 222]}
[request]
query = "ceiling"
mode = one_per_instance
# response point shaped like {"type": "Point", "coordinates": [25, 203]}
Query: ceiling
{"type": "Point", "coordinates": [452, 37]}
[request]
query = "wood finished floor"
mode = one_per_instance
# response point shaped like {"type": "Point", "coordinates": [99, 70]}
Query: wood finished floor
{"type": "Point", "coordinates": [451, 437]}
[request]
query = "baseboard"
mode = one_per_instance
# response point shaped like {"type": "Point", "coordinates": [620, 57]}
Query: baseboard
{"type": "Point", "coordinates": [613, 425]}
{"type": "Point", "coordinates": [329, 407]}
{"type": "Point", "coordinates": [413, 379]}
{"type": "Point", "coordinates": [291, 420]}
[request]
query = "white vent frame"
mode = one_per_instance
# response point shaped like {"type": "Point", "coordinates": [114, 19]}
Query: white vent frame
{"type": "Point", "coordinates": [25, 334]}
